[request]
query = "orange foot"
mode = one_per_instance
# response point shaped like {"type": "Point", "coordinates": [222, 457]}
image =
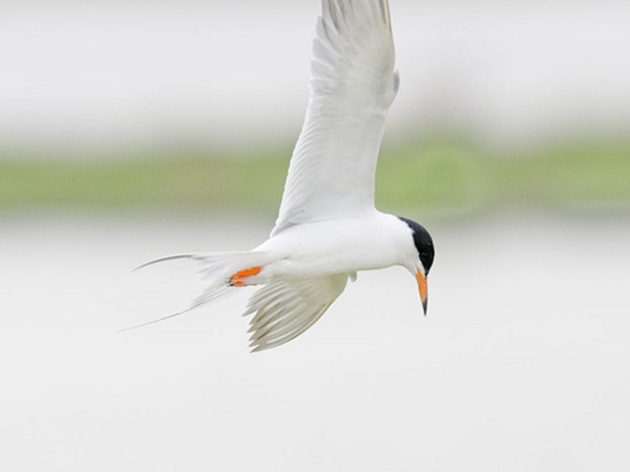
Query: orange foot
{"type": "Point", "coordinates": [237, 279]}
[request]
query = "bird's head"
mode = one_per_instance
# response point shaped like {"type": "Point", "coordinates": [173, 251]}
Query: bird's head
{"type": "Point", "coordinates": [422, 259]}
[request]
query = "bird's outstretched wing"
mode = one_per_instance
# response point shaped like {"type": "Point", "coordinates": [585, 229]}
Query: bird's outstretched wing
{"type": "Point", "coordinates": [353, 84]}
{"type": "Point", "coordinates": [284, 310]}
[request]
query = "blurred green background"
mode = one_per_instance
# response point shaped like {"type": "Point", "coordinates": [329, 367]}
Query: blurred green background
{"type": "Point", "coordinates": [433, 176]}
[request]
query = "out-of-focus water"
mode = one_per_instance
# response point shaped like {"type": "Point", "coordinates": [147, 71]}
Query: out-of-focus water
{"type": "Point", "coordinates": [522, 364]}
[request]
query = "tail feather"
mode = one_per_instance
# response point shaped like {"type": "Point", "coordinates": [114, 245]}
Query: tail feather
{"type": "Point", "coordinates": [215, 265]}
{"type": "Point", "coordinates": [158, 320]}
{"type": "Point", "coordinates": [216, 269]}
{"type": "Point", "coordinates": [209, 263]}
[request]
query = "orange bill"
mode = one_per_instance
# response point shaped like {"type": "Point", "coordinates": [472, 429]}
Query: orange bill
{"type": "Point", "coordinates": [237, 279]}
{"type": "Point", "coordinates": [423, 288]}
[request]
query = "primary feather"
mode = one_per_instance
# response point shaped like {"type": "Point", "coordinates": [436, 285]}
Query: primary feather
{"type": "Point", "coordinates": [285, 309]}
{"type": "Point", "coordinates": [332, 170]}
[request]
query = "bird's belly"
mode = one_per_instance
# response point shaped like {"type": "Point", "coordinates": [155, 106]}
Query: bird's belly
{"type": "Point", "coordinates": [322, 252]}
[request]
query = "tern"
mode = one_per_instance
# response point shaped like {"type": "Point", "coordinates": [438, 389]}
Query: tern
{"type": "Point", "coordinates": [328, 228]}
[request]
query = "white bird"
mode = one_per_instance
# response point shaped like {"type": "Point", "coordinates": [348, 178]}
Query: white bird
{"type": "Point", "coordinates": [328, 228]}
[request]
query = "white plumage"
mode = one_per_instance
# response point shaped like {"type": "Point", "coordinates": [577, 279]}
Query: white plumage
{"type": "Point", "coordinates": [353, 84]}
{"type": "Point", "coordinates": [327, 228]}
{"type": "Point", "coordinates": [285, 309]}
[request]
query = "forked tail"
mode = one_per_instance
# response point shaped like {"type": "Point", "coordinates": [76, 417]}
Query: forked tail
{"type": "Point", "coordinates": [225, 272]}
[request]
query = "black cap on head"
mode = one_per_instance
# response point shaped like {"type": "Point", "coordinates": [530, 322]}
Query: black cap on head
{"type": "Point", "coordinates": [423, 242]}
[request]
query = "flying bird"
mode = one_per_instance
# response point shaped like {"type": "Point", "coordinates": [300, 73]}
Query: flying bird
{"type": "Point", "coordinates": [328, 228]}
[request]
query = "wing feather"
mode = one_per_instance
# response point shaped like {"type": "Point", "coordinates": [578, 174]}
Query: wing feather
{"type": "Point", "coordinates": [286, 309]}
{"type": "Point", "coordinates": [332, 169]}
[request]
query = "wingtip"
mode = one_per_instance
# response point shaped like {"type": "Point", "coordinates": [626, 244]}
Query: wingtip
{"type": "Point", "coordinates": [255, 347]}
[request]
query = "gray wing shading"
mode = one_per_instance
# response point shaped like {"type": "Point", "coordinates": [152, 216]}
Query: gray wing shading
{"type": "Point", "coordinates": [353, 84]}
{"type": "Point", "coordinates": [284, 310]}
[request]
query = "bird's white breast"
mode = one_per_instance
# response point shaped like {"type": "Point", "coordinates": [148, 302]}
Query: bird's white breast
{"type": "Point", "coordinates": [339, 246]}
